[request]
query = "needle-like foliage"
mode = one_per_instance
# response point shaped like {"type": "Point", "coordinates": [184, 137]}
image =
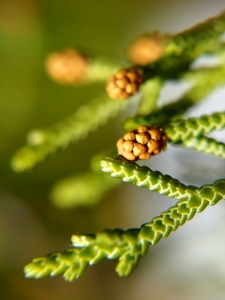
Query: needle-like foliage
{"type": "Point", "coordinates": [129, 246]}
{"type": "Point", "coordinates": [173, 62]}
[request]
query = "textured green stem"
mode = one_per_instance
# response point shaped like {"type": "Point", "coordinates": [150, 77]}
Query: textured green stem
{"type": "Point", "coordinates": [86, 189]}
{"type": "Point", "coordinates": [203, 81]}
{"type": "Point", "coordinates": [185, 209]}
{"type": "Point", "coordinates": [184, 47]}
{"type": "Point", "coordinates": [68, 262]}
{"type": "Point", "coordinates": [188, 132]}
{"type": "Point", "coordinates": [102, 67]}
{"type": "Point", "coordinates": [191, 199]}
{"type": "Point", "coordinates": [150, 92]}
{"type": "Point", "coordinates": [89, 250]}
{"type": "Point", "coordinates": [161, 116]}
{"type": "Point", "coordinates": [82, 190]}
{"type": "Point", "coordinates": [43, 143]}
{"type": "Point", "coordinates": [129, 246]}
{"type": "Point", "coordinates": [205, 145]}
{"type": "Point", "coordinates": [144, 177]}
{"type": "Point", "coordinates": [180, 130]}
{"type": "Point", "coordinates": [197, 39]}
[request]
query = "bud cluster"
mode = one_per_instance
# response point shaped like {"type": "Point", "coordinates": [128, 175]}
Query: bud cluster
{"type": "Point", "coordinates": [146, 48]}
{"type": "Point", "coordinates": [142, 143]}
{"type": "Point", "coordinates": [124, 84]}
{"type": "Point", "coordinates": [67, 67]}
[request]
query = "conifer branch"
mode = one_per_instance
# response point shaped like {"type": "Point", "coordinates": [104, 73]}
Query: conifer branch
{"type": "Point", "coordinates": [180, 130]}
{"type": "Point", "coordinates": [205, 145]}
{"type": "Point", "coordinates": [89, 250]}
{"type": "Point", "coordinates": [203, 37]}
{"type": "Point", "coordinates": [190, 132]}
{"type": "Point", "coordinates": [86, 189]}
{"type": "Point", "coordinates": [160, 116]}
{"type": "Point", "coordinates": [182, 48]}
{"type": "Point", "coordinates": [82, 190]}
{"type": "Point", "coordinates": [202, 81]}
{"type": "Point", "coordinates": [195, 201]}
{"type": "Point", "coordinates": [149, 95]}
{"type": "Point", "coordinates": [178, 55]}
{"type": "Point", "coordinates": [129, 246]}
{"type": "Point", "coordinates": [102, 67]}
{"type": "Point", "coordinates": [200, 38]}
{"type": "Point", "coordinates": [43, 143]}
{"type": "Point", "coordinates": [144, 177]}
{"type": "Point", "coordinates": [75, 67]}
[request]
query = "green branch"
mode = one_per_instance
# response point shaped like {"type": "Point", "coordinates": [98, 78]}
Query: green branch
{"type": "Point", "coordinates": [190, 132]}
{"type": "Point", "coordinates": [102, 67]}
{"type": "Point", "coordinates": [129, 246]}
{"type": "Point", "coordinates": [75, 66]}
{"type": "Point", "coordinates": [205, 145]}
{"type": "Point", "coordinates": [43, 143]}
{"type": "Point", "coordinates": [144, 177]}
{"type": "Point", "coordinates": [82, 190]}
{"type": "Point", "coordinates": [90, 249]}
{"type": "Point", "coordinates": [187, 45]}
{"type": "Point", "coordinates": [200, 38]}
{"type": "Point", "coordinates": [161, 116]}
{"type": "Point", "coordinates": [149, 95]}
{"type": "Point", "coordinates": [180, 130]}
{"type": "Point", "coordinates": [196, 200]}
{"type": "Point", "coordinates": [202, 81]}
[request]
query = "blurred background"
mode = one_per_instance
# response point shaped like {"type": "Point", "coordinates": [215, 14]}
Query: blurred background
{"type": "Point", "coordinates": [190, 263]}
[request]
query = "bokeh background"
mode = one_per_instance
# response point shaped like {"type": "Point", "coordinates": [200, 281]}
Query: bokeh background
{"type": "Point", "coordinates": [189, 264]}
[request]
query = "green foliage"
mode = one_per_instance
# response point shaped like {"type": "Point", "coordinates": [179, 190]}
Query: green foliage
{"type": "Point", "coordinates": [150, 92]}
{"type": "Point", "coordinates": [74, 191]}
{"type": "Point", "coordinates": [85, 189]}
{"type": "Point", "coordinates": [43, 143]}
{"type": "Point", "coordinates": [128, 246]}
{"type": "Point", "coordinates": [202, 81]}
{"type": "Point", "coordinates": [181, 129]}
{"type": "Point", "coordinates": [189, 44]}
{"type": "Point", "coordinates": [205, 145]}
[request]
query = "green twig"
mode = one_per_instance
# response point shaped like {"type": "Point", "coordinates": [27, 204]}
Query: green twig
{"type": "Point", "coordinates": [43, 143]}
{"type": "Point", "coordinates": [180, 130]}
{"type": "Point", "coordinates": [185, 46]}
{"type": "Point", "coordinates": [205, 145]}
{"type": "Point", "coordinates": [129, 246]}
{"type": "Point", "coordinates": [161, 116]}
{"type": "Point", "coordinates": [102, 67]}
{"type": "Point", "coordinates": [85, 189]}
{"type": "Point", "coordinates": [202, 81]}
{"type": "Point", "coordinates": [82, 190]}
{"type": "Point", "coordinates": [150, 92]}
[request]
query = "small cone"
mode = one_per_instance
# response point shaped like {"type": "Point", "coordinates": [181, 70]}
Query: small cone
{"type": "Point", "coordinates": [124, 84]}
{"type": "Point", "coordinates": [146, 49]}
{"type": "Point", "coordinates": [142, 143]}
{"type": "Point", "coordinates": [67, 67]}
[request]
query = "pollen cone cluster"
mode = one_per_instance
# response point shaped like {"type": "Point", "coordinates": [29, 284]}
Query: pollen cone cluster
{"type": "Point", "coordinates": [124, 84]}
{"type": "Point", "coordinates": [142, 143]}
{"type": "Point", "coordinates": [67, 67]}
{"type": "Point", "coordinates": [146, 48]}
